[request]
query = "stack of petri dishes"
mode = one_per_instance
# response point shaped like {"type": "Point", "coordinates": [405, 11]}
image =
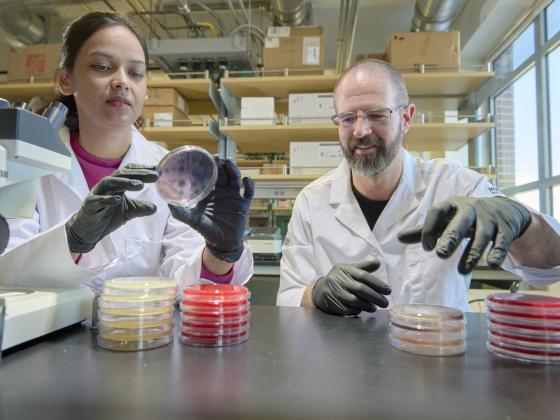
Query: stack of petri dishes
{"type": "Point", "coordinates": [136, 313]}
{"type": "Point", "coordinates": [215, 315]}
{"type": "Point", "coordinates": [524, 327]}
{"type": "Point", "coordinates": [429, 330]}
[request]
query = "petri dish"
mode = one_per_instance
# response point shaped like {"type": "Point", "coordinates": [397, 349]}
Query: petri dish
{"type": "Point", "coordinates": [450, 348]}
{"type": "Point", "coordinates": [134, 345]}
{"type": "Point", "coordinates": [213, 341]}
{"type": "Point", "coordinates": [213, 293]}
{"type": "Point", "coordinates": [187, 175]}
{"type": "Point", "coordinates": [135, 312]}
{"type": "Point", "coordinates": [524, 302]}
{"type": "Point", "coordinates": [429, 337]}
{"type": "Point", "coordinates": [215, 311]}
{"type": "Point", "coordinates": [500, 349]}
{"type": "Point", "coordinates": [195, 319]}
{"type": "Point", "coordinates": [516, 320]}
{"type": "Point", "coordinates": [120, 301]}
{"type": "Point", "coordinates": [427, 317]}
{"type": "Point", "coordinates": [140, 286]}
{"type": "Point", "coordinates": [540, 343]}
{"type": "Point", "coordinates": [524, 330]}
{"type": "Point", "coordinates": [134, 334]}
{"type": "Point", "coordinates": [221, 330]}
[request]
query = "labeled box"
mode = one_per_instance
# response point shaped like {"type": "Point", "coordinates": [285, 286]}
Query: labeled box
{"type": "Point", "coordinates": [164, 116]}
{"type": "Point", "coordinates": [310, 108]}
{"type": "Point", "coordinates": [36, 62]}
{"type": "Point", "coordinates": [257, 111]}
{"type": "Point", "coordinates": [317, 157]}
{"type": "Point", "coordinates": [300, 49]}
{"type": "Point", "coordinates": [166, 97]}
{"type": "Point", "coordinates": [408, 50]}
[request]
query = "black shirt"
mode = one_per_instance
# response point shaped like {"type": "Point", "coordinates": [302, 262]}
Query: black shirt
{"type": "Point", "coordinates": [370, 208]}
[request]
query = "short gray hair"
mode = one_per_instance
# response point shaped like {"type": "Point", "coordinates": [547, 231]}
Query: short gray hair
{"type": "Point", "coordinates": [372, 65]}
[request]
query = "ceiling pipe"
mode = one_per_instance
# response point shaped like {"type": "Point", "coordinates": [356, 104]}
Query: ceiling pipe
{"type": "Point", "coordinates": [347, 23]}
{"type": "Point", "coordinates": [27, 26]}
{"type": "Point", "coordinates": [435, 15]}
{"type": "Point", "coordinates": [289, 12]}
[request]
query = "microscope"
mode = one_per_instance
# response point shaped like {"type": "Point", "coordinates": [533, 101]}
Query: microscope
{"type": "Point", "coordinates": [29, 149]}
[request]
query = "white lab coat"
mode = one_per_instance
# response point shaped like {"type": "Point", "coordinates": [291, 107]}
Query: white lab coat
{"type": "Point", "coordinates": [156, 245]}
{"type": "Point", "coordinates": [328, 227]}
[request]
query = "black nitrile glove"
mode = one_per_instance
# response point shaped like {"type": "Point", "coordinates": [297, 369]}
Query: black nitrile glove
{"type": "Point", "coordinates": [349, 289]}
{"type": "Point", "coordinates": [221, 217]}
{"type": "Point", "coordinates": [106, 208]}
{"type": "Point", "coordinates": [496, 219]}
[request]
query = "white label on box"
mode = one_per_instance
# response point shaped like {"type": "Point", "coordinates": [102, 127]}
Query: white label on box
{"type": "Point", "coordinates": [272, 43]}
{"type": "Point", "coordinates": [278, 31]}
{"type": "Point", "coordinates": [163, 119]}
{"type": "Point", "coordinates": [325, 103]}
{"type": "Point", "coordinates": [181, 103]}
{"type": "Point", "coordinates": [330, 151]}
{"type": "Point", "coordinates": [311, 50]}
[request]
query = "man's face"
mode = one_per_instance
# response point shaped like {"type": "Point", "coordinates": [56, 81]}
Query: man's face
{"type": "Point", "coordinates": [372, 143]}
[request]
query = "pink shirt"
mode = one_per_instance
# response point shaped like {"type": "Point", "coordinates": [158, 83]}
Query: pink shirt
{"type": "Point", "coordinates": [95, 168]}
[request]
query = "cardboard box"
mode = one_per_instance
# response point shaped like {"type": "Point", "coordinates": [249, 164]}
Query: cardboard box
{"type": "Point", "coordinates": [407, 50]}
{"type": "Point", "coordinates": [315, 157]}
{"type": "Point", "coordinates": [300, 49]}
{"type": "Point", "coordinates": [377, 56]}
{"type": "Point", "coordinates": [257, 111]}
{"type": "Point", "coordinates": [166, 97]}
{"type": "Point", "coordinates": [310, 108]}
{"type": "Point", "coordinates": [164, 116]}
{"type": "Point", "coordinates": [273, 169]}
{"type": "Point", "coordinates": [36, 61]}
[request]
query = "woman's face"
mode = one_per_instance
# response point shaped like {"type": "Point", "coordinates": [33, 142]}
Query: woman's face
{"type": "Point", "coordinates": [108, 80]}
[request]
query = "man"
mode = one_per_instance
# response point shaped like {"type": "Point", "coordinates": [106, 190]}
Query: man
{"type": "Point", "coordinates": [342, 252]}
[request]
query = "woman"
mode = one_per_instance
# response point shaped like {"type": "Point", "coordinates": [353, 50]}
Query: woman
{"type": "Point", "coordinates": [80, 236]}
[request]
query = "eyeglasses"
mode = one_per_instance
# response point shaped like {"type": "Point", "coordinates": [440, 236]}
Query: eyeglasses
{"type": "Point", "coordinates": [374, 117]}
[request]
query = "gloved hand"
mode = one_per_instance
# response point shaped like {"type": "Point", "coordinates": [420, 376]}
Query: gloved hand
{"type": "Point", "coordinates": [106, 208]}
{"type": "Point", "coordinates": [221, 217]}
{"type": "Point", "coordinates": [496, 219]}
{"type": "Point", "coordinates": [348, 289]}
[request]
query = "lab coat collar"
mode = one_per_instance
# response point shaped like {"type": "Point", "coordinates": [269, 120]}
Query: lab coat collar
{"type": "Point", "coordinates": [74, 178]}
{"type": "Point", "coordinates": [403, 201]}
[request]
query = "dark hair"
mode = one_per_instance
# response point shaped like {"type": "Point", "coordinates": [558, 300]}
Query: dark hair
{"type": "Point", "coordinates": [372, 65]}
{"type": "Point", "coordinates": [76, 33]}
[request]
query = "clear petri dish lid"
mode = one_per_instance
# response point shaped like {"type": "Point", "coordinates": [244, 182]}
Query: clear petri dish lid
{"type": "Point", "coordinates": [451, 349]}
{"type": "Point", "coordinates": [215, 320]}
{"type": "Point", "coordinates": [134, 334]}
{"type": "Point", "coordinates": [135, 322]}
{"type": "Point", "coordinates": [428, 336]}
{"type": "Point", "coordinates": [525, 341]}
{"type": "Point", "coordinates": [135, 312]}
{"type": "Point", "coordinates": [211, 341]}
{"type": "Point", "coordinates": [215, 310]}
{"type": "Point", "coordinates": [533, 321]}
{"type": "Point", "coordinates": [537, 331]}
{"type": "Point", "coordinates": [431, 317]}
{"type": "Point", "coordinates": [522, 353]}
{"type": "Point", "coordinates": [139, 286]}
{"type": "Point", "coordinates": [187, 175]}
{"type": "Point", "coordinates": [221, 331]}
{"type": "Point", "coordinates": [122, 301]}
{"type": "Point", "coordinates": [216, 293]}
{"type": "Point", "coordinates": [525, 304]}
{"type": "Point", "coordinates": [134, 345]}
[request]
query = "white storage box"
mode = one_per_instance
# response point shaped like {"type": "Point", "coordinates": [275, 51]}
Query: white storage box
{"type": "Point", "coordinates": [257, 111]}
{"type": "Point", "coordinates": [314, 157]}
{"type": "Point", "coordinates": [311, 108]}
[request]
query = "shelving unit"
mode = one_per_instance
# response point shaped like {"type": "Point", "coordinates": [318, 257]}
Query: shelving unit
{"type": "Point", "coordinates": [421, 137]}
{"type": "Point", "coordinates": [180, 136]}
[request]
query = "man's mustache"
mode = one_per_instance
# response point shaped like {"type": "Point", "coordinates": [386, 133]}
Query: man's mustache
{"type": "Point", "coordinates": [365, 141]}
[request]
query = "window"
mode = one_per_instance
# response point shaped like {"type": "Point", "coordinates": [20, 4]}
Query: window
{"type": "Point", "coordinates": [552, 19]}
{"type": "Point", "coordinates": [519, 51]}
{"type": "Point", "coordinates": [516, 133]}
{"type": "Point", "coordinates": [554, 90]}
{"type": "Point", "coordinates": [556, 202]}
{"type": "Point", "coordinates": [531, 198]}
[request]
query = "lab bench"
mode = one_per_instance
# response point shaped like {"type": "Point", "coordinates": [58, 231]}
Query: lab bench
{"type": "Point", "coordinates": [299, 363]}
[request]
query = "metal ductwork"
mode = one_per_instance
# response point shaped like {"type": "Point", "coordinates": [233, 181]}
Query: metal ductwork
{"type": "Point", "coordinates": [435, 15]}
{"type": "Point", "coordinates": [25, 25]}
{"type": "Point", "coordinates": [348, 20]}
{"type": "Point", "coordinates": [289, 12]}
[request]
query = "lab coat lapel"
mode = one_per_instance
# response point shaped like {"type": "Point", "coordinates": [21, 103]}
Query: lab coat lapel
{"type": "Point", "coordinates": [404, 200]}
{"type": "Point", "coordinates": [348, 212]}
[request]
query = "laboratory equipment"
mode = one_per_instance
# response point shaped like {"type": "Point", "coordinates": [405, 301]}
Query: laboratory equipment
{"type": "Point", "coordinates": [136, 313]}
{"type": "Point", "coordinates": [524, 327]}
{"type": "Point", "coordinates": [265, 243]}
{"type": "Point", "coordinates": [186, 175]}
{"type": "Point", "coordinates": [215, 315]}
{"type": "Point", "coordinates": [429, 330]}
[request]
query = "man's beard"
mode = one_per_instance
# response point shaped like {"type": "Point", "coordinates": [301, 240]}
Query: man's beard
{"type": "Point", "coordinates": [372, 163]}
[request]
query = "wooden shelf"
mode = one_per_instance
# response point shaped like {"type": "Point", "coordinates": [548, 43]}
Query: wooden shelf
{"type": "Point", "coordinates": [180, 136]}
{"type": "Point", "coordinates": [418, 84]}
{"type": "Point", "coordinates": [189, 88]}
{"type": "Point", "coordinates": [424, 137]}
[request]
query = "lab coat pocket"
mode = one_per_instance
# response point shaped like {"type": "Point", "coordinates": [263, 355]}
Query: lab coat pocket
{"type": "Point", "coordinates": [424, 271]}
{"type": "Point", "coordinates": [142, 257]}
